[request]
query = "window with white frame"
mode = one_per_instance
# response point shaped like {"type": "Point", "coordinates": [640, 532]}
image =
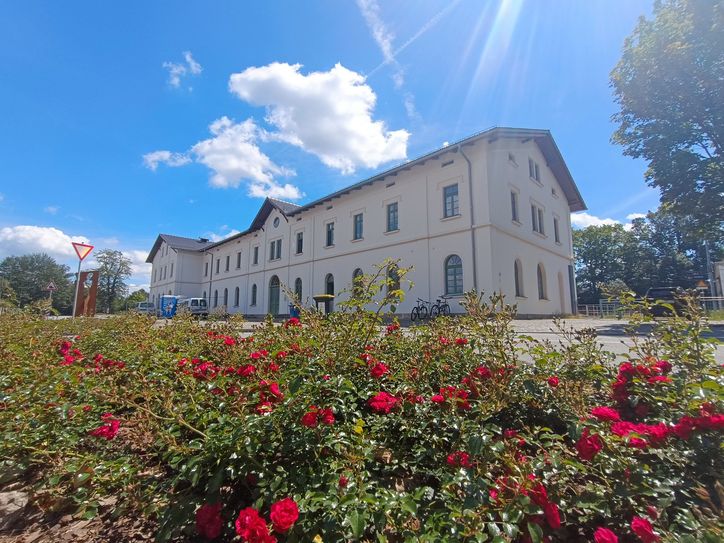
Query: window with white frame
{"type": "Point", "coordinates": [533, 170]}
{"type": "Point", "coordinates": [300, 242]}
{"type": "Point", "coordinates": [358, 226]}
{"type": "Point", "coordinates": [518, 278]}
{"type": "Point", "coordinates": [255, 259]}
{"type": "Point", "coordinates": [556, 233]}
{"type": "Point", "coordinates": [514, 213]}
{"type": "Point", "coordinates": [206, 269]}
{"type": "Point", "coordinates": [330, 234]}
{"type": "Point", "coordinates": [218, 264]}
{"type": "Point", "coordinates": [536, 213]}
{"type": "Point", "coordinates": [275, 249]}
{"type": "Point", "coordinates": [451, 202]}
{"type": "Point", "coordinates": [392, 217]}
{"type": "Point", "coordinates": [236, 297]}
{"type": "Point", "coordinates": [253, 294]}
{"type": "Point", "coordinates": [238, 260]}
{"type": "Point", "coordinates": [542, 287]}
{"type": "Point", "coordinates": [453, 275]}
{"type": "Point", "coordinates": [226, 268]}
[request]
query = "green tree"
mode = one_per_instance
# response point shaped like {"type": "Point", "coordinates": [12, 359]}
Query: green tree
{"type": "Point", "coordinates": [28, 275]}
{"type": "Point", "coordinates": [114, 268]}
{"type": "Point", "coordinates": [133, 299]}
{"type": "Point", "coordinates": [669, 85]}
{"type": "Point", "coordinates": [600, 259]}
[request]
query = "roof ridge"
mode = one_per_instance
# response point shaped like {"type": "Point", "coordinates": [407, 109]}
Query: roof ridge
{"type": "Point", "coordinates": [284, 201]}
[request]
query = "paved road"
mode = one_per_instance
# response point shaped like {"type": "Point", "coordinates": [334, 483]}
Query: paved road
{"type": "Point", "coordinates": [611, 333]}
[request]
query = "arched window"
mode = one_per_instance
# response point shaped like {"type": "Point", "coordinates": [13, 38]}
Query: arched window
{"type": "Point", "coordinates": [253, 295]}
{"type": "Point", "coordinates": [216, 298]}
{"type": "Point", "coordinates": [274, 288]}
{"type": "Point", "coordinates": [518, 275]}
{"type": "Point", "coordinates": [357, 287]}
{"type": "Point", "coordinates": [329, 284]}
{"type": "Point", "coordinates": [236, 297]}
{"type": "Point", "coordinates": [453, 275]}
{"type": "Point", "coordinates": [542, 294]}
{"type": "Point", "coordinates": [226, 297]}
{"type": "Point", "coordinates": [298, 289]}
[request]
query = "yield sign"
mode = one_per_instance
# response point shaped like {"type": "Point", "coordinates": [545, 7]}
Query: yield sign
{"type": "Point", "coordinates": [51, 286]}
{"type": "Point", "coordinates": [82, 250]}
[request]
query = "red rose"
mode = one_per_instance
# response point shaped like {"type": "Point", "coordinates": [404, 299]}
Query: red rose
{"type": "Point", "coordinates": [294, 321]}
{"type": "Point", "coordinates": [461, 341]}
{"type": "Point", "coordinates": [378, 370]}
{"type": "Point", "coordinates": [663, 366]}
{"type": "Point", "coordinates": [588, 446]}
{"type": "Point", "coordinates": [483, 372]}
{"type": "Point", "coordinates": [553, 381]}
{"type": "Point", "coordinates": [659, 379]}
{"type": "Point", "coordinates": [459, 459]}
{"type": "Point", "coordinates": [327, 416]}
{"type": "Point", "coordinates": [606, 413]}
{"type": "Point", "coordinates": [604, 535]}
{"type": "Point", "coordinates": [637, 443]}
{"type": "Point", "coordinates": [252, 528]}
{"type": "Point", "coordinates": [343, 481]}
{"type": "Point", "coordinates": [437, 398]}
{"type": "Point", "coordinates": [383, 403]}
{"type": "Point", "coordinates": [284, 514]}
{"type": "Point", "coordinates": [208, 520]}
{"type": "Point", "coordinates": [643, 529]}
{"type": "Point", "coordinates": [310, 419]}
{"type": "Point", "coordinates": [229, 341]}
{"type": "Point", "coordinates": [108, 430]}
{"type": "Point", "coordinates": [553, 517]}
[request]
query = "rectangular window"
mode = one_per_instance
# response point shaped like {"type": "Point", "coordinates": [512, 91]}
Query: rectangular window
{"type": "Point", "coordinates": [256, 255]}
{"type": "Point", "coordinates": [533, 170]}
{"type": "Point", "coordinates": [279, 249]}
{"type": "Point", "coordinates": [514, 206]}
{"type": "Point", "coordinates": [218, 263]}
{"type": "Point", "coordinates": [300, 242]}
{"type": "Point", "coordinates": [556, 234]}
{"type": "Point", "coordinates": [271, 249]}
{"type": "Point", "coordinates": [228, 258]}
{"type": "Point", "coordinates": [330, 234]}
{"type": "Point", "coordinates": [275, 249]}
{"type": "Point", "coordinates": [537, 219]}
{"type": "Point", "coordinates": [164, 272]}
{"type": "Point", "coordinates": [450, 201]}
{"type": "Point", "coordinates": [358, 226]}
{"type": "Point", "coordinates": [171, 269]}
{"type": "Point", "coordinates": [238, 261]}
{"type": "Point", "coordinates": [392, 217]}
{"type": "Point", "coordinates": [206, 269]}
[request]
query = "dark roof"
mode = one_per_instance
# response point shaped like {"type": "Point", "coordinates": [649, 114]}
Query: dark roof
{"type": "Point", "coordinates": [543, 139]}
{"type": "Point", "coordinates": [178, 242]}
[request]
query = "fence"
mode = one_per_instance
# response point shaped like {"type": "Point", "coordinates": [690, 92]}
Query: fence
{"type": "Point", "coordinates": [607, 309]}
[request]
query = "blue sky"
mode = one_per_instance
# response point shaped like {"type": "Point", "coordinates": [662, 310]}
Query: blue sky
{"type": "Point", "coordinates": [123, 120]}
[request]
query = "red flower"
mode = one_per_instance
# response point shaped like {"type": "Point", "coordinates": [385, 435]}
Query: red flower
{"type": "Point", "coordinates": [643, 529]}
{"type": "Point", "coordinates": [229, 340]}
{"type": "Point", "coordinates": [392, 328]}
{"type": "Point", "coordinates": [553, 517]}
{"type": "Point", "coordinates": [637, 443]}
{"type": "Point", "coordinates": [604, 535]}
{"type": "Point", "coordinates": [588, 446]}
{"type": "Point", "coordinates": [483, 372]}
{"type": "Point", "coordinates": [378, 370]}
{"type": "Point", "coordinates": [510, 434]}
{"type": "Point", "coordinates": [294, 321]}
{"type": "Point", "coordinates": [652, 512]}
{"type": "Point", "coordinates": [284, 514]}
{"type": "Point", "coordinates": [437, 398]}
{"type": "Point", "coordinates": [606, 413]}
{"type": "Point", "coordinates": [553, 381]}
{"type": "Point", "coordinates": [663, 366]}
{"type": "Point", "coordinates": [343, 481]}
{"type": "Point", "coordinates": [246, 370]}
{"type": "Point", "coordinates": [493, 494]}
{"type": "Point", "coordinates": [108, 430]}
{"type": "Point", "coordinates": [461, 341]}
{"type": "Point", "coordinates": [383, 403]}
{"type": "Point", "coordinates": [208, 520]}
{"type": "Point", "coordinates": [252, 528]}
{"type": "Point", "coordinates": [459, 459]}
{"type": "Point", "coordinates": [310, 419]}
{"type": "Point", "coordinates": [327, 416]}
{"type": "Point", "coordinates": [659, 379]}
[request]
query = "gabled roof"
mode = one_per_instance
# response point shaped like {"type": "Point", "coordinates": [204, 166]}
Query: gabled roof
{"type": "Point", "coordinates": [178, 242]}
{"type": "Point", "coordinates": [542, 138]}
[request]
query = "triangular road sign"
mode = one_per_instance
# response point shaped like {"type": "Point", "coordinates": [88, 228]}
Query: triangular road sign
{"type": "Point", "coordinates": [82, 250]}
{"type": "Point", "coordinates": [51, 286]}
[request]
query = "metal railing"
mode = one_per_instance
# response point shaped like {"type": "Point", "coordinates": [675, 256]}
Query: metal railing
{"type": "Point", "coordinates": [615, 310]}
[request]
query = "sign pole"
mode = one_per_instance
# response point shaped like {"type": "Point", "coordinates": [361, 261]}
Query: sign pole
{"type": "Point", "coordinates": [77, 286]}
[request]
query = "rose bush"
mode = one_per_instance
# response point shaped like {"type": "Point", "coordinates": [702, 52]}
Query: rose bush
{"type": "Point", "coordinates": [342, 429]}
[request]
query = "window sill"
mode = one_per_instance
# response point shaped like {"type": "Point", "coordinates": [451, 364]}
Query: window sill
{"type": "Point", "coordinates": [329, 246]}
{"type": "Point", "coordinates": [357, 239]}
{"type": "Point", "coordinates": [521, 297]}
{"type": "Point", "coordinates": [388, 232]}
{"type": "Point", "coordinates": [450, 218]}
{"type": "Point", "coordinates": [299, 254]}
{"type": "Point", "coordinates": [539, 183]}
{"type": "Point", "coordinates": [515, 222]}
{"type": "Point", "coordinates": [540, 235]}
{"type": "Point", "coordinates": [558, 243]}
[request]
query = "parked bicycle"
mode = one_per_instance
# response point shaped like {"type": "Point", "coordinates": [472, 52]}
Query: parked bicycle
{"type": "Point", "coordinates": [440, 308]}
{"type": "Point", "coordinates": [420, 311]}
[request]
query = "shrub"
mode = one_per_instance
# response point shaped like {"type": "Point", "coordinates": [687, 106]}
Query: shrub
{"type": "Point", "coordinates": [341, 428]}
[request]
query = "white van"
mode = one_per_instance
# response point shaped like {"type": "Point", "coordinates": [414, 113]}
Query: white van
{"type": "Point", "coordinates": [195, 306]}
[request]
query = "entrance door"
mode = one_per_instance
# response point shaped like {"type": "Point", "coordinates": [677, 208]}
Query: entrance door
{"type": "Point", "coordinates": [274, 295]}
{"type": "Point", "coordinates": [329, 289]}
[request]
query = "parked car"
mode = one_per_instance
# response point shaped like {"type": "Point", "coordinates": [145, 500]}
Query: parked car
{"type": "Point", "coordinates": [195, 306]}
{"type": "Point", "coordinates": [668, 295]}
{"type": "Point", "coordinates": [145, 307]}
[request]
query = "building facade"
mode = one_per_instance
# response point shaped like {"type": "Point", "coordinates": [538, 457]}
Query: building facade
{"type": "Point", "coordinates": [491, 213]}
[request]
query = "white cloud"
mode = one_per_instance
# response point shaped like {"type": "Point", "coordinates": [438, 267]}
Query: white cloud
{"type": "Point", "coordinates": [632, 216]}
{"type": "Point", "coordinates": [583, 220]}
{"type": "Point", "coordinates": [25, 239]}
{"type": "Point", "coordinates": [152, 160]}
{"type": "Point", "coordinates": [52, 210]}
{"type": "Point", "coordinates": [139, 266]}
{"type": "Point", "coordinates": [328, 114]}
{"type": "Point", "coordinates": [177, 71]}
{"type": "Point", "coordinates": [213, 236]}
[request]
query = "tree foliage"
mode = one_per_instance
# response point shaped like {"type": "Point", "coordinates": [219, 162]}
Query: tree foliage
{"type": "Point", "coordinates": [28, 275]}
{"type": "Point", "coordinates": [669, 85]}
{"type": "Point", "coordinates": [114, 268]}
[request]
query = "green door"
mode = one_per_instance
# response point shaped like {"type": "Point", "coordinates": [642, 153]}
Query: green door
{"type": "Point", "coordinates": [274, 295]}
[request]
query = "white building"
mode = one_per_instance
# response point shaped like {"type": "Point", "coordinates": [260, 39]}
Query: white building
{"type": "Point", "coordinates": [491, 212]}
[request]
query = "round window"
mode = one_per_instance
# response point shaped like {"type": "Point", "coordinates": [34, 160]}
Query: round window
{"type": "Point", "coordinates": [276, 222]}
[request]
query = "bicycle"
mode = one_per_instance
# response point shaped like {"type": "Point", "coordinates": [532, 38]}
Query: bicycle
{"type": "Point", "coordinates": [420, 311]}
{"type": "Point", "coordinates": [440, 308]}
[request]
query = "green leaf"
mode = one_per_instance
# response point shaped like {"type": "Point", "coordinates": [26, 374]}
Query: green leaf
{"type": "Point", "coordinates": [535, 532]}
{"type": "Point", "coordinates": [358, 522]}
